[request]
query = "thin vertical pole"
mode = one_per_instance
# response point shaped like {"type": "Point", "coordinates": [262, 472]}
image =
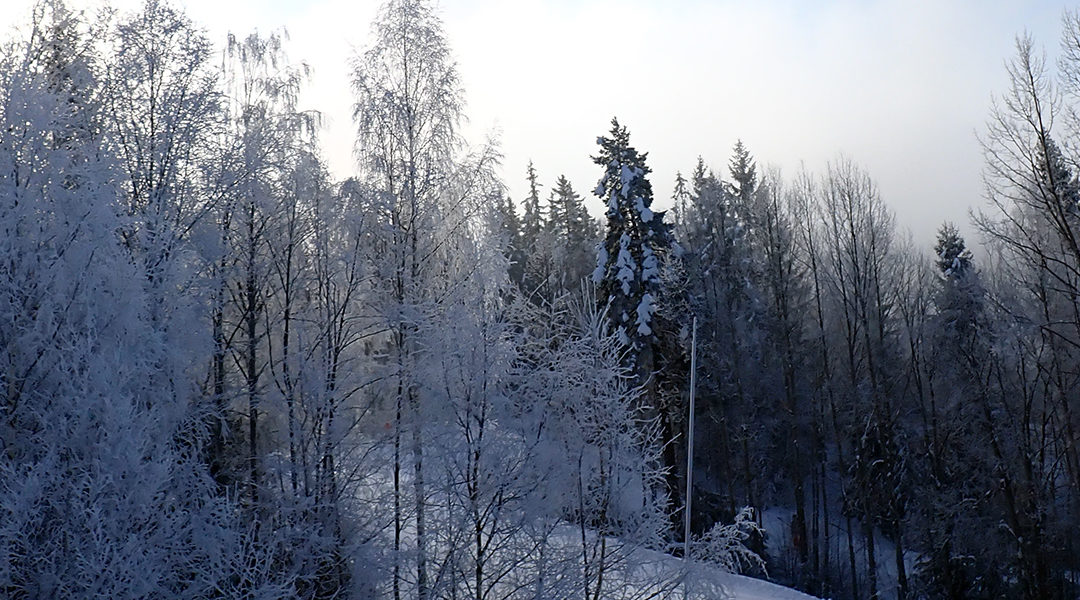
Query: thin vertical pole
{"type": "Point", "coordinates": [690, 451]}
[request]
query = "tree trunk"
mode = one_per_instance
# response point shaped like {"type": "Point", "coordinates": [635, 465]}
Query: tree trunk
{"type": "Point", "coordinates": [871, 557]}
{"type": "Point", "coordinates": [418, 490]}
{"type": "Point", "coordinates": [901, 571]}
{"type": "Point", "coordinates": [851, 560]}
{"type": "Point", "coordinates": [252, 376]}
{"type": "Point", "coordinates": [398, 525]}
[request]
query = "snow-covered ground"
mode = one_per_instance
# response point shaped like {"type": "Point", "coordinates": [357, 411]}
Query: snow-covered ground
{"type": "Point", "coordinates": [740, 587]}
{"type": "Point", "coordinates": [709, 582]}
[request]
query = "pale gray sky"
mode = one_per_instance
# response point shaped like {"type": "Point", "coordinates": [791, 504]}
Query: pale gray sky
{"type": "Point", "coordinates": [900, 86]}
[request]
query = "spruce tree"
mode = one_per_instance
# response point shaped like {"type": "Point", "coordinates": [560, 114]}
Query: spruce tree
{"type": "Point", "coordinates": [743, 172]}
{"type": "Point", "coordinates": [536, 281]}
{"type": "Point", "coordinates": [628, 262]}
{"type": "Point", "coordinates": [680, 199]}
{"type": "Point", "coordinates": [508, 225]}
{"type": "Point", "coordinates": [532, 223]}
{"type": "Point", "coordinates": [574, 234]}
{"type": "Point", "coordinates": [634, 288]}
{"type": "Point", "coordinates": [951, 470]}
{"type": "Point", "coordinates": [959, 297]}
{"type": "Point", "coordinates": [953, 257]}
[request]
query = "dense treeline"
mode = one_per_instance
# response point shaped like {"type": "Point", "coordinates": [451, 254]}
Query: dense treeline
{"type": "Point", "coordinates": [225, 374]}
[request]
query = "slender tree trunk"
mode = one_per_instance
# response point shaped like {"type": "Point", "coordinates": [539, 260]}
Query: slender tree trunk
{"type": "Point", "coordinates": [219, 427]}
{"type": "Point", "coordinates": [290, 397]}
{"type": "Point", "coordinates": [871, 557]}
{"type": "Point", "coordinates": [418, 489]}
{"type": "Point", "coordinates": [581, 523]}
{"type": "Point", "coordinates": [901, 571]}
{"type": "Point", "coordinates": [851, 560]}
{"type": "Point", "coordinates": [798, 527]}
{"type": "Point", "coordinates": [825, 528]}
{"type": "Point", "coordinates": [601, 559]}
{"type": "Point", "coordinates": [218, 431]}
{"type": "Point", "coordinates": [251, 359]}
{"type": "Point", "coordinates": [748, 478]}
{"type": "Point", "coordinates": [398, 524]}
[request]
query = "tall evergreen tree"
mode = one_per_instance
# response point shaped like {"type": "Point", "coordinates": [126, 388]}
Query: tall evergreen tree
{"type": "Point", "coordinates": [508, 225]}
{"type": "Point", "coordinates": [950, 470]}
{"type": "Point", "coordinates": [721, 276]}
{"type": "Point", "coordinates": [743, 172]}
{"type": "Point", "coordinates": [680, 198]}
{"type": "Point", "coordinates": [953, 257]}
{"type": "Point", "coordinates": [532, 223]}
{"type": "Point", "coordinates": [574, 235]}
{"type": "Point", "coordinates": [536, 246]}
{"type": "Point", "coordinates": [628, 263]}
{"type": "Point", "coordinates": [631, 287]}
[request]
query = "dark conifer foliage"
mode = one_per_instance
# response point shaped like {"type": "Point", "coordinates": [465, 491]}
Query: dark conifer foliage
{"type": "Point", "coordinates": [636, 241]}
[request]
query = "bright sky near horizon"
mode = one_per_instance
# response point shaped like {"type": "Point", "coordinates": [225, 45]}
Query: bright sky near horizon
{"type": "Point", "coordinates": [902, 87]}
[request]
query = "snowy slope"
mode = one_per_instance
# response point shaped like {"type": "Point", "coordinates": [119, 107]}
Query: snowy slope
{"type": "Point", "coordinates": [740, 587]}
{"type": "Point", "coordinates": [709, 582]}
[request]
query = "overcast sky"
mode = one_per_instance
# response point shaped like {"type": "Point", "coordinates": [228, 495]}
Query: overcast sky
{"type": "Point", "coordinates": [900, 86]}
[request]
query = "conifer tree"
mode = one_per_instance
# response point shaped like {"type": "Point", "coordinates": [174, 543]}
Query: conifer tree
{"type": "Point", "coordinates": [536, 246]}
{"type": "Point", "coordinates": [721, 272]}
{"type": "Point", "coordinates": [628, 262]}
{"type": "Point", "coordinates": [743, 172]}
{"type": "Point", "coordinates": [680, 198]}
{"type": "Point", "coordinates": [631, 287]}
{"type": "Point", "coordinates": [532, 223]}
{"type": "Point", "coordinates": [508, 225]}
{"type": "Point", "coordinates": [574, 235]}
{"type": "Point", "coordinates": [957, 362]}
{"type": "Point", "coordinates": [953, 257]}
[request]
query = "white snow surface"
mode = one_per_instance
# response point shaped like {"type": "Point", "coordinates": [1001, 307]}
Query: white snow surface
{"type": "Point", "coordinates": [644, 314]}
{"type": "Point", "coordinates": [601, 263]}
{"type": "Point", "coordinates": [709, 582]}
{"type": "Point", "coordinates": [650, 266]}
{"type": "Point", "coordinates": [646, 213]}
{"type": "Point", "coordinates": [625, 264]}
{"type": "Point", "coordinates": [627, 176]}
{"type": "Point", "coordinates": [741, 587]}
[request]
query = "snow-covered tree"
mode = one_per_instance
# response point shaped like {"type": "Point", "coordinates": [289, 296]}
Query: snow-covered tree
{"type": "Point", "coordinates": [636, 242]}
{"type": "Point", "coordinates": [430, 202]}
{"type": "Point", "coordinates": [103, 495]}
{"type": "Point", "coordinates": [722, 287]}
{"type": "Point", "coordinates": [573, 234]}
{"type": "Point", "coordinates": [163, 105]}
{"type": "Point", "coordinates": [743, 173]}
{"type": "Point", "coordinates": [598, 458]}
{"type": "Point", "coordinates": [507, 225]}
{"type": "Point", "coordinates": [636, 289]}
{"type": "Point", "coordinates": [533, 219]}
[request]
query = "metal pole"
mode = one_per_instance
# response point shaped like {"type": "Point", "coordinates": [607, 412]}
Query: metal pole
{"type": "Point", "coordinates": [689, 454]}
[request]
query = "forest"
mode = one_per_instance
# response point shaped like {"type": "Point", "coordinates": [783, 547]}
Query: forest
{"type": "Point", "coordinates": [226, 373]}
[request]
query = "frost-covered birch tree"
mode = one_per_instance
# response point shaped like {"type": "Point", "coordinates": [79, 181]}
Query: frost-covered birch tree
{"type": "Point", "coordinates": [407, 112]}
{"type": "Point", "coordinates": [101, 494]}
